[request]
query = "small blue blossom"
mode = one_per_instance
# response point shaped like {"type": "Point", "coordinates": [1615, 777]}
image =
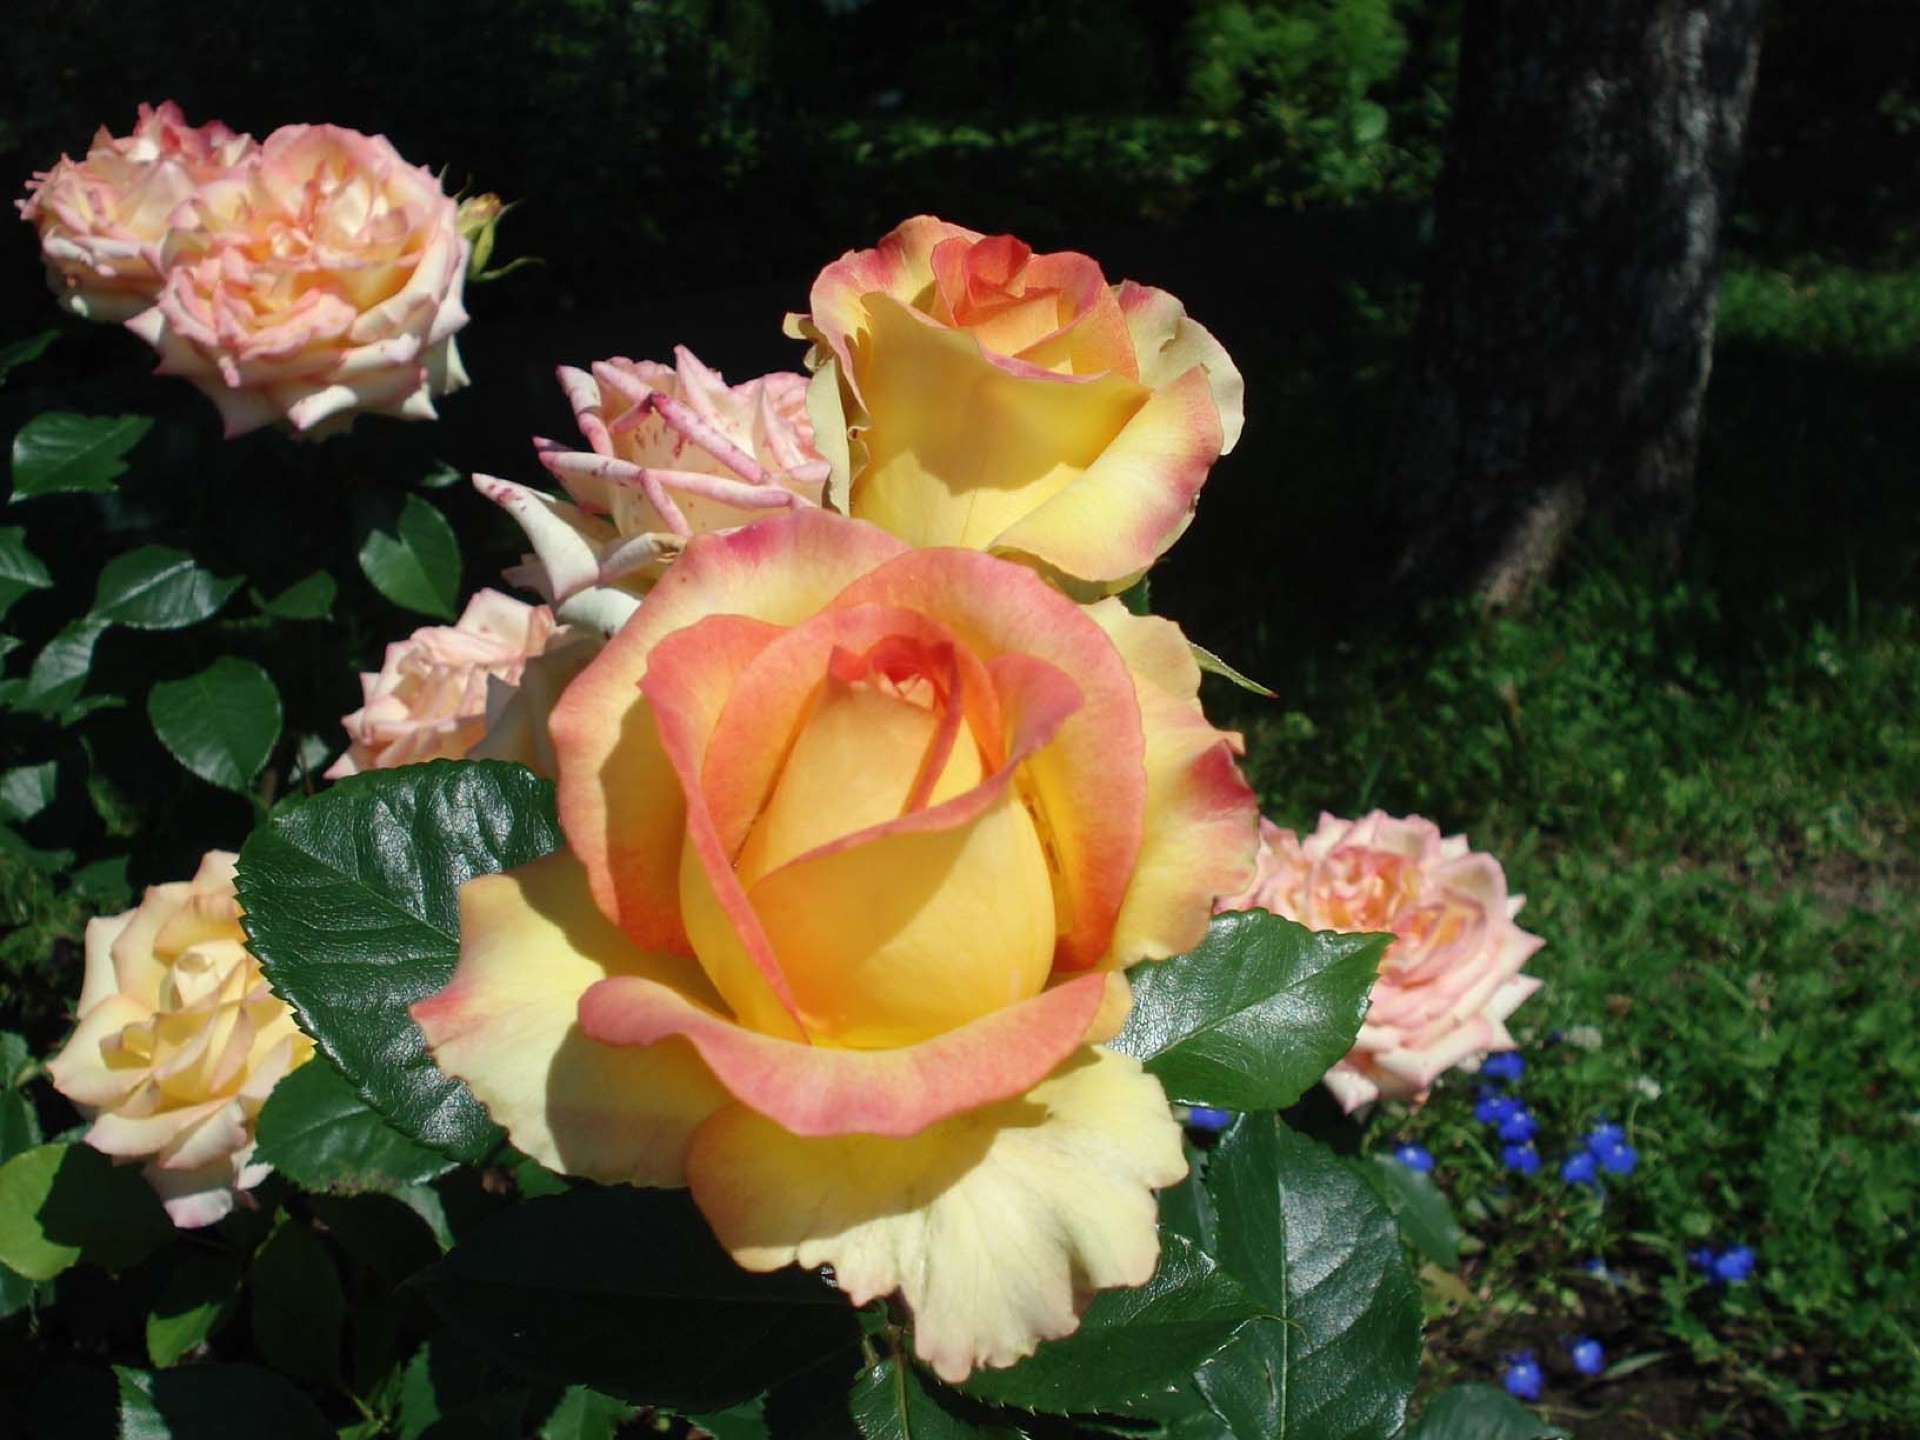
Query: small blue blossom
{"type": "Point", "coordinates": [1519, 1126]}
{"type": "Point", "coordinates": [1597, 1267]}
{"type": "Point", "coordinates": [1522, 1376]}
{"type": "Point", "coordinates": [1605, 1136]}
{"type": "Point", "coordinates": [1701, 1258]}
{"type": "Point", "coordinates": [1522, 1157]}
{"type": "Point", "coordinates": [1414, 1157]}
{"type": "Point", "coordinates": [1506, 1066]}
{"type": "Point", "coordinates": [1733, 1264]}
{"type": "Point", "coordinates": [1588, 1356]}
{"type": "Point", "coordinates": [1578, 1168]}
{"type": "Point", "coordinates": [1206, 1117]}
{"type": "Point", "coordinates": [1616, 1159]}
{"type": "Point", "coordinates": [1495, 1109]}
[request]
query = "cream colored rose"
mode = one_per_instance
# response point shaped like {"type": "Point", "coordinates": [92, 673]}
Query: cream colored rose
{"type": "Point", "coordinates": [323, 280]}
{"type": "Point", "coordinates": [1451, 977]}
{"type": "Point", "coordinates": [102, 219]}
{"type": "Point", "coordinates": [428, 701]}
{"type": "Point", "coordinates": [179, 1043]}
{"type": "Point", "coordinates": [673, 452]}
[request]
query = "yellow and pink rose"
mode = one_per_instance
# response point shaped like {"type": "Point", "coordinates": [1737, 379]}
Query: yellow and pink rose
{"type": "Point", "coordinates": [860, 839]}
{"type": "Point", "coordinates": [971, 392]}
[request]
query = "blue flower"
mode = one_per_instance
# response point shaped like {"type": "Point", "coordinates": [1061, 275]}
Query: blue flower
{"type": "Point", "coordinates": [1206, 1117]}
{"type": "Point", "coordinates": [1414, 1157]}
{"type": "Point", "coordinates": [1597, 1267]}
{"type": "Point", "coordinates": [1495, 1109]}
{"type": "Point", "coordinates": [1588, 1356]}
{"type": "Point", "coordinates": [1701, 1258]}
{"type": "Point", "coordinates": [1577, 1168]}
{"type": "Point", "coordinates": [1506, 1066]}
{"type": "Point", "coordinates": [1616, 1159]}
{"type": "Point", "coordinates": [1605, 1136]}
{"type": "Point", "coordinates": [1522, 1376]}
{"type": "Point", "coordinates": [1522, 1157]}
{"type": "Point", "coordinates": [1518, 1126]}
{"type": "Point", "coordinates": [1733, 1264]}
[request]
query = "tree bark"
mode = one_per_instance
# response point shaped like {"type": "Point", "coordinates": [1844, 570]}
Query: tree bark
{"type": "Point", "coordinates": [1566, 327]}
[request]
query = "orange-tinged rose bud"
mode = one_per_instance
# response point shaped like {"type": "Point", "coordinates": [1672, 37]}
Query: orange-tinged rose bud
{"type": "Point", "coordinates": [1105, 405]}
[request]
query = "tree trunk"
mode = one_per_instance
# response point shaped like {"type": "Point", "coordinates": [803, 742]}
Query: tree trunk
{"type": "Point", "coordinates": [1567, 323]}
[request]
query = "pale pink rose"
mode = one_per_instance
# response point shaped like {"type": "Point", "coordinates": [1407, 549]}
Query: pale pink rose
{"type": "Point", "coordinates": [179, 1043]}
{"type": "Point", "coordinates": [323, 280]}
{"type": "Point", "coordinates": [429, 699]}
{"type": "Point", "coordinates": [1450, 978]}
{"type": "Point", "coordinates": [102, 219]}
{"type": "Point", "coordinates": [673, 452]}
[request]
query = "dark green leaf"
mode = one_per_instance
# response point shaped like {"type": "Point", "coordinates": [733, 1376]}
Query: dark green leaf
{"type": "Point", "coordinates": [103, 884]}
{"type": "Point", "coordinates": [746, 1421]}
{"type": "Point", "coordinates": [16, 1292]}
{"type": "Point", "coordinates": [59, 453]}
{"type": "Point", "coordinates": [584, 1414]}
{"type": "Point", "coordinates": [15, 1056]}
{"type": "Point", "coordinates": [308, 599]}
{"type": "Point", "coordinates": [221, 723]}
{"type": "Point", "coordinates": [891, 1402]}
{"type": "Point", "coordinates": [198, 1402]}
{"type": "Point", "coordinates": [25, 792]}
{"type": "Point", "coordinates": [317, 1131]}
{"type": "Point", "coordinates": [61, 1204]}
{"type": "Point", "coordinates": [441, 476]}
{"type": "Point", "coordinates": [22, 352]}
{"type": "Point", "coordinates": [1130, 1343]}
{"type": "Point", "coordinates": [381, 1232]}
{"type": "Point", "coordinates": [59, 671]}
{"type": "Point", "coordinates": [451, 1390]}
{"type": "Point", "coordinates": [19, 1124]}
{"type": "Point", "coordinates": [1480, 1412]}
{"type": "Point", "coordinates": [1307, 1238]}
{"type": "Point", "coordinates": [298, 1305]}
{"type": "Point", "coordinates": [1186, 1209]}
{"type": "Point", "coordinates": [1425, 1218]}
{"type": "Point", "coordinates": [198, 1294]}
{"type": "Point", "coordinates": [352, 903]}
{"type": "Point", "coordinates": [627, 1291]}
{"type": "Point", "coordinates": [157, 588]}
{"type": "Point", "coordinates": [1138, 597]}
{"type": "Point", "coordinates": [20, 569]}
{"type": "Point", "coordinates": [412, 557]}
{"type": "Point", "coordinates": [1254, 1017]}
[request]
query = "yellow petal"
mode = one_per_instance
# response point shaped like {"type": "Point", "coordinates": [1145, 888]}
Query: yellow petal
{"type": "Point", "coordinates": [959, 448]}
{"type": "Point", "coordinates": [996, 1225]}
{"type": "Point", "coordinates": [531, 943]}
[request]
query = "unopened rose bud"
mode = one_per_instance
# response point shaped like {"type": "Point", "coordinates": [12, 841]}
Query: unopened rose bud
{"type": "Point", "coordinates": [479, 216]}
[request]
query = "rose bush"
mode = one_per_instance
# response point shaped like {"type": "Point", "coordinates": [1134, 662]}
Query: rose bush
{"type": "Point", "coordinates": [102, 219]}
{"type": "Point", "coordinates": [860, 839]}
{"type": "Point", "coordinates": [179, 1043]}
{"type": "Point", "coordinates": [1450, 978]}
{"type": "Point", "coordinates": [673, 452]}
{"type": "Point", "coordinates": [1105, 404]}
{"type": "Point", "coordinates": [429, 699]}
{"type": "Point", "coordinates": [322, 279]}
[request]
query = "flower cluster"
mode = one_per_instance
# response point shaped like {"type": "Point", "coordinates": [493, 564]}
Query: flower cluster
{"type": "Point", "coordinates": [1450, 978]}
{"type": "Point", "coordinates": [297, 281]}
{"type": "Point", "coordinates": [1728, 1266]}
{"type": "Point", "coordinates": [867, 813]}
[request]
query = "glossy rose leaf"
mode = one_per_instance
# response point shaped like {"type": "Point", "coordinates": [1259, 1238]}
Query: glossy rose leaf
{"type": "Point", "coordinates": [411, 556]}
{"type": "Point", "coordinates": [63, 1204]}
{"type": "Point", "coordinates": [1310, 1241]}
{"type": "Point", "coordinates": [221, 722]}
{"type": "Point", "coordinates": [317, 1131]}
{"type": "Point", "coordinates": [1131, 1343]}
{"type": "Point", "coordinates": [1252, 1018]}
{"type": "Point", "coordinates": [627, 1291]}
{"type": "Point", "coordinates": [352, 906]}
{"type": "Point", "coordinates": [158, 588]}
{"type": "Point", "coordinates": [59, 453]}
{"type": "Point", "coordinates": [1417, 1205]}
